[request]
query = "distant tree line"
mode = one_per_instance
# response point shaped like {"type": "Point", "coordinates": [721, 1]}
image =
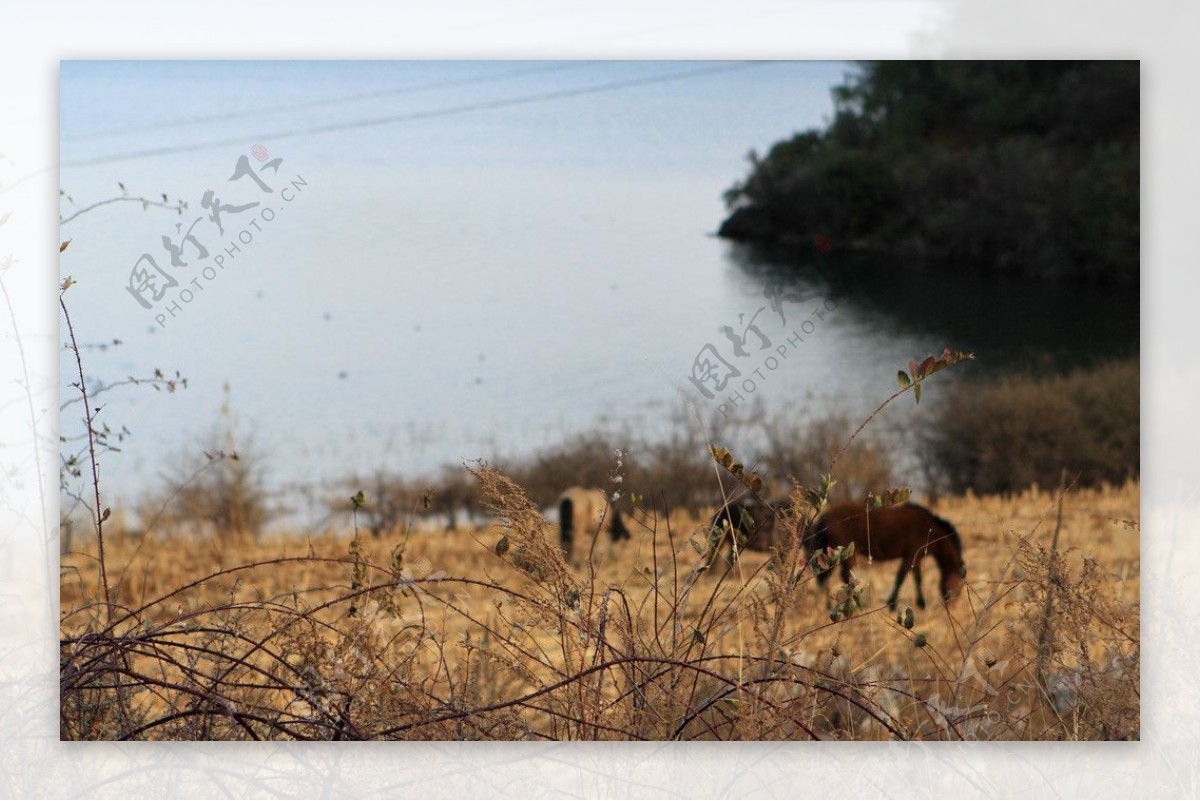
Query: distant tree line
{"type": "Point", "coordinates": [1020, 166]}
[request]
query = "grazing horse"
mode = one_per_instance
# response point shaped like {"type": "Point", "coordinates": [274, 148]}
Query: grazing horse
{"type": "Point", "coordinates": [580, 511]}
{"type": "Point", "coordinates": [906, 532]}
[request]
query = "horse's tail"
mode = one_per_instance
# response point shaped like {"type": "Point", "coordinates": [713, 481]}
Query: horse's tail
{"type": "Point", "coordinates": [618, 530]}
{"type": "Point", "coordinates": [566, 523]}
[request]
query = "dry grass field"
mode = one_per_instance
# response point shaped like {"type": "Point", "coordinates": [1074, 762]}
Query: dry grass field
{"type": "Point", "coordinates": [489, 634]}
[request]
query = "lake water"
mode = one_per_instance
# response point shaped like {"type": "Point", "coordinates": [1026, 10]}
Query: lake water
{"type": "Point", "coordinates": [481, 257]}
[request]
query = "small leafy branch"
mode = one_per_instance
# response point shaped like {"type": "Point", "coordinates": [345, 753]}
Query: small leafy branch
{"type": "Point", "coordinates": [723, 457]}
{"type": "Point", "coordinates": [890, 497]}
{"type": "Point", "coordinates": [89, 418]}
{"type": "Point", "coordinates": [178, 206]}
{"type": "Point", "coordinates": [920, 372]}
{"type": "Point", "coordinates": [929, 366]}
{"type": "Point", "coordinates": [100, 437]}
{"type": "Point", "coordinates": [817, 497]}
{"type": "Point", "coordinates": [158, 380]}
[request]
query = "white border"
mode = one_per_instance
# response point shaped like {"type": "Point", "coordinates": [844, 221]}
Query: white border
{"type": "Point", "coordinates": [35, 36]}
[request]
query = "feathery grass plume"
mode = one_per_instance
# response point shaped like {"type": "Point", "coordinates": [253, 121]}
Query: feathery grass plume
{"type": "Point", "coordinates": [533, 546]}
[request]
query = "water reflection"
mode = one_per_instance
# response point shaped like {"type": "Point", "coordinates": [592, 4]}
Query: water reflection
{"type": "Point", "coordinates": [1012, 322]}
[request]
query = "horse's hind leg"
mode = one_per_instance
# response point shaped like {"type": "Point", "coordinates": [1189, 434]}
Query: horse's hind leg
{"type": "Point", "coordinates": [566, 526]}
{"type": "Point", "coordinates": [900, 574]}
{"type": "Point", "coordinates": [916, 571]}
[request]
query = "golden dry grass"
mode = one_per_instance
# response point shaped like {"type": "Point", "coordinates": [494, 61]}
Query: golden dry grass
{"type": "Point", "coordinates": [438, 636]}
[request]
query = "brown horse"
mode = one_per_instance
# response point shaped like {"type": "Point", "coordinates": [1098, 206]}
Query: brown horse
{"type": "Point", "coordinates": [581, 510]}
{"type": "Point", "coordinates": [907, 532]}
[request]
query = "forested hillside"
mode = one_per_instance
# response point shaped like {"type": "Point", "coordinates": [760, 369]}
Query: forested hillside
{"type": "Point", "coordinates": [1026, 167]}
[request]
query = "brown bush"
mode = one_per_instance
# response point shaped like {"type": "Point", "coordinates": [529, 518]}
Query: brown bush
{"type": "Point", "coordinates": [1007, 434]}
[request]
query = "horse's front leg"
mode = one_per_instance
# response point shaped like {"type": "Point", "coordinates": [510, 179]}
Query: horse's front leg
{"type": "Point", "coordinates": [847, 567]}
{"type": "Point", "coordinates": [900, 574]}
{"type": "Point", "coordinates": [916, 571]}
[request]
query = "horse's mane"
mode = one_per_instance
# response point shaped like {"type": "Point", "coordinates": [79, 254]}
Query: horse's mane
{"type": "Point", "coordinates": [951, 531]}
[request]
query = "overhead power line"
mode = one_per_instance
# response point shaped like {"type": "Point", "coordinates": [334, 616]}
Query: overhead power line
{"type": "Point", "coordinates": [335, 101]}
{"type": "Point", "coordinates": [486, 105]}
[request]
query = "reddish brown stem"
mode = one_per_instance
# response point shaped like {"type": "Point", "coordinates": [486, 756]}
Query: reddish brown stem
{"type": "Point", "coordinates": [88, 417]}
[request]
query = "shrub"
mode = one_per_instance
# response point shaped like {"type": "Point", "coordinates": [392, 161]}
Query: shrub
{"type": "Point", "coordinates": [1004, 435]}
{"type": "Point", "coordinates": [220, 491]}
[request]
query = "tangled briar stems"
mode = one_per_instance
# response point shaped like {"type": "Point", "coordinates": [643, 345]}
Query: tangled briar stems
{"type": "Point", "coordinates": [1094, 683]}
{"type": "Point", "coordinates": [268, 649]}
{"type": "Point", "coordinates": [790, 565]}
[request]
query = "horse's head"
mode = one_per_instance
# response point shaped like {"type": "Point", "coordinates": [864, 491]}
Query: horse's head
{"type": "Point", "coordinates": [950, 560]}
{"type": "Point", "coordinates": [952, 582]}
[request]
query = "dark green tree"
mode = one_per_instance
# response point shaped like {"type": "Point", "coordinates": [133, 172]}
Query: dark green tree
{"type": "Point", "coordinates": [1021, 166]}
